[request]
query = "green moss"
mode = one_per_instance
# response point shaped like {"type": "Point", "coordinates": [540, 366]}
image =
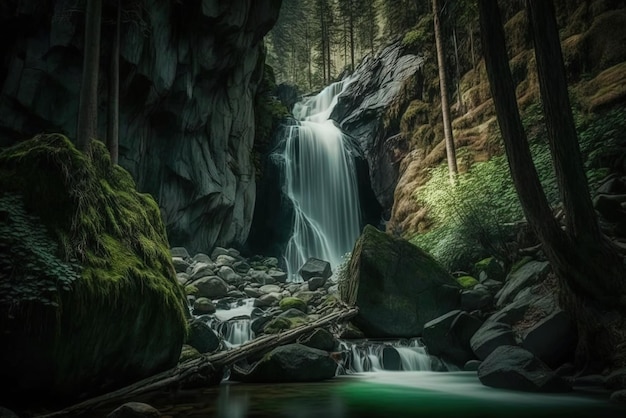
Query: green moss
{"type": "Point", "coordinates": [191, 290]}
{"type": "Point", "coordinates": [94, 216]}
{"type": "Point", "coordinates": [292, 302]}
{"type": "Point", "coordinates": [277, 325]}
{"type": "Point", "coordinates": [467, 282]}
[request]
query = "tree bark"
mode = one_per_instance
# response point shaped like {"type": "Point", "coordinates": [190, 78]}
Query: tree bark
{"type": "Point", "coordinates": [88, 104]}
{"type": "Point", "coordinates": [113, 116]}
{"type": "Point", "coordinates": [445, 105]}
{"type": "Point", "coordinates": [590, 277]}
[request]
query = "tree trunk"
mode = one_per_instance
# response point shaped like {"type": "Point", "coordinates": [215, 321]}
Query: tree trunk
{"type": "Point", "coordinates": [445, 106]}
{"type": "Point", "coordinates": [459, 100]}
{"type": "Point", "coordinates": [113, 117]}
{"type": "Point", "coordinates": [88, 104]}
{"type": "Point", "coordinates": [582, 267]}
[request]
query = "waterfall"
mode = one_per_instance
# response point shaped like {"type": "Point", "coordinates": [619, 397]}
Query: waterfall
{"type": "Point", "coordinates": [371, 356]}
{"type": "Point", "coordinates": [320, 181]}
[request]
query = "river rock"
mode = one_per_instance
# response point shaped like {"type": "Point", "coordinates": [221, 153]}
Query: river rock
{"type": "Point", "coordinates": [211, 287]}
{"type": "Point", "coordinates": [292, 302]}
{"type": "Point", "coordinates": [261, 277]}
{"type": "Point", "coordinates": [135, 410]}
{"type": "Point", "coordinates": [289, 363]}
{"type": "Point", "coordinates": [525, 276]}
{"type": "Point", "coordinates": [512, 367]}
{"type": "Point", "coordinates": [315, 283]}
{"type": "Point", "coordinates": [203, 306]}
{"type": "Point", "coordinates": [476, 299]}
{"type": "Point", "coordinates": [224, 260]}
{"type": "Point", "coordinates": [180, 252]}
{"type": "Point", "coordinates": [552, 339]}
{"type": "Point", "coordinates": [229, 276]}
{"type": "Point", "coordinates": [449, 336]}
{"type": "Point", "coordinates": [202, 337]}
{"type": "Point", "coordinates": [202, 258]}
{"type": "Point", "coordinates": [320, 338]}
{"type": "Point", "coordinates": [315, 267]}
{"type": "Point", "coordinates": [490, 336]}
{"type": "Point", "coordinates": [396, 286]}
{"type": "Point", "coordinates": [267, 300]}
{"type": "Point", "coordinates": [253, 292]}
{"type": "Point", "coordinates": [180, 265]}
{"type": "Point", "coordinates": [201, 269]}
{"type": "Point", "coordinates": [278, 275]}
{"type": "Point", "coordinates": [270, 288]}
{"type": "Point", "coordinates": [241, 267]}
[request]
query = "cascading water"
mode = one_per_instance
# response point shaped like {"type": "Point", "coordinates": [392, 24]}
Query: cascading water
{"type": "Point", "coordinates": [321, 183]}
{"type": "Point", "coordinates": [371, 356]}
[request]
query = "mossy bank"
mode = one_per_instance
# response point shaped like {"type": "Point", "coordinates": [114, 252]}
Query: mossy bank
{"type": "Point", "coordinates": [89, 296]}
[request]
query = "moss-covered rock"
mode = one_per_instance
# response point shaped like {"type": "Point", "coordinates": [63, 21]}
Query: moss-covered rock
{"type": "Point", "coordinates": [95, 301]}
{"type": "Point", "coordinates": [292, 302]}
{"type": "Point", "coordinates": [466, 282]}
{"type": "Point", "coordinates": [397, 286]}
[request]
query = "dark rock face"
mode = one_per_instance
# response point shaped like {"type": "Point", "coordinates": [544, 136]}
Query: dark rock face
{"type": "Point", "coordinates": [315, 268]}
{"type": "Point", "coordinates": [511, 367]}
{"type": "Point", "coordinates": [381, 85]}
{"type": "Point", "coordinates": [489, 337]}
{"type": "Point", "coordinates": [189, 73]}
{"type": "Point", "coordinates": [397, 286]}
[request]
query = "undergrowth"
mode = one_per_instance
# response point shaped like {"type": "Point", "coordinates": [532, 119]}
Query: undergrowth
{"type": "Point", "coordinates": [476, 218]}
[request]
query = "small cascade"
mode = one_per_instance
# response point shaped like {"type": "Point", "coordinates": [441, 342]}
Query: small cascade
{"type": "Point", "coordinates": [321, 182]}
{"type": "Point", "coordinates": [236, 332]}
{"type": "Point", "coordinates": [370, 356]}
{"type": "Point", "coordinates": [234, 322]}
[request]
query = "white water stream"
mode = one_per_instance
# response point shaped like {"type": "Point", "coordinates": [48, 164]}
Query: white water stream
{"type": "Point", "coordinates": [321, 182]}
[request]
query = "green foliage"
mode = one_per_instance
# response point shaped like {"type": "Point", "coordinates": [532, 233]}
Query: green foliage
{"type": "Point", "coordinates": [420, 36]}
{"type": "Point", "coordinates": [28, 258]}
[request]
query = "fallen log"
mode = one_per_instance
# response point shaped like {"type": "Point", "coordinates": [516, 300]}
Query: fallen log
{"type": "Point", "coordinates": [199, 372]}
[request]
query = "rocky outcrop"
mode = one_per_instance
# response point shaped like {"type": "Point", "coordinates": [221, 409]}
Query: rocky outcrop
{"type": "Point", "coordinates": [189, 72]}
{"type": "Point", "coordinates": [92, 302]}
{"type": "Point", "coordinates": [396, 286]}
{"type": "Point", "coordinates": [369, 110]}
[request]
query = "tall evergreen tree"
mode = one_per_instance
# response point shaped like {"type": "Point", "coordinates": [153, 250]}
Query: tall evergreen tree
{"type": "Point", "coordinates": [88, 104]}
{"type": "Point", "coordinates": [443, 85]}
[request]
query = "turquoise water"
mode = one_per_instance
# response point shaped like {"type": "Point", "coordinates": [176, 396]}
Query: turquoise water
{"type": "Point", "coordinates": [381, 394]}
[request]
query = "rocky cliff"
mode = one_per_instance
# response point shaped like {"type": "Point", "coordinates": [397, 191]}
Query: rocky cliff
{"type": "Point", "coordinates": [370, 109]}
{"type": "Point", "coordinates": [189, 73]}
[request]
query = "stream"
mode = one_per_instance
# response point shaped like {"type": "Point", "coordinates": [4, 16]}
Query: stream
{"type": "Point", "coordinates": [381, 394]}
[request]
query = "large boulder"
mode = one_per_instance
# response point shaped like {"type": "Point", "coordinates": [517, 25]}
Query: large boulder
{"type": "Point", "coordinates": [397, 286]}
{"type": "Point", "coordinates": [490, 336]}
{"type": "Point", "coordinates": [93, 302]}
{"type": "Point", "coordinates": [315, 267]}
{"type": "Point", "coordinates": [512, 367]}
{"type": "Point", "coordinates": [189, 73]}
{"type": "Point", "coordinates": [552, 339]}
{"type": "Point", "coordinates": [289, 363]}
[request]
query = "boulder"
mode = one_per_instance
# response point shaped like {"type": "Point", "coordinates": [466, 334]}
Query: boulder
{"type": "Point", "coordinates": [277, 275]}
{"type": "Point", "coordinates": [200, 269]}
{"type": "Point", "coordinates": [490, 336]}
{"type": "Point", "coordinates": [291, 302]}
{"type": "Point", "coordinates": [260, 276]}
{"type": "Point", "coordinates": [320, 338]}
{"type": "Point", "coordinates": [179, 252]}
{"type": "Point", "coordinates": [202, 258]}
{"type": "Point", "coordinates": [229, 276]}
{"type": "Point", "coordinates": [396, 286]}
{"type": "Point", "coordinates": [316, 282]}
{"type": "Point", "coordinates": [315, 268]}
{"type": "Point", "coordinates": [268, 300]}
{"type": "Point", "coordinates": [211, 287]}
{"type": "Point", "coordinates": [270, 288]}
{"type": "Point", "coordinates": [202, 337]}
{"type": "Point", "coordinates": [476, 299]}
{"type": "Point", "coordinates": [552, 339]}
{"type": "Point", "coordinates": [618, 397]}
{"type": "Point", "coordinates": [471, 365]}
{"type": "Point", "coordinates": [525, 276]}
{"type": "Point", "coordinates": [135, 410]}
{"type": "Point", "coordinates": [203, 306]}
{"type": "Point", "coordinates": [98, 305]}
{"type": "Point", "coordinates": [289, 363]}
{"type": "Point", "coordinates": [180, 264]}
{"type": "Point", "coordinates": [449, 335]}
{"type": "Point", "coordinates": [512, 367]}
